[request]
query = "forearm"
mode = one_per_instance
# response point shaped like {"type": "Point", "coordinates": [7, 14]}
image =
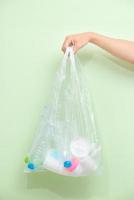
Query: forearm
{"type": "Point", "coordinates": [120, 48]}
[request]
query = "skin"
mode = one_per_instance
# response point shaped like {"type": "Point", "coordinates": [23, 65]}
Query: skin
{"type": "Point", "coordinates": [122, 49]}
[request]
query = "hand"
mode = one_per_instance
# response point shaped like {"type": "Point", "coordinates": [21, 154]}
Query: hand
{"type": "Point", "coordinates": [77, 41]}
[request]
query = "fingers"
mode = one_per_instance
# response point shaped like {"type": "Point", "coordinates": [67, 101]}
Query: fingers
{"type": "Point", "coordinates": [68, 42]}
{"type": "Point", "coordinates": [75, 48]}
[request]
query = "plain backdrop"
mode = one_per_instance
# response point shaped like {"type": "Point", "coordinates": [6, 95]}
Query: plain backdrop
{"type": "Point", "coordinates": [31, 35]}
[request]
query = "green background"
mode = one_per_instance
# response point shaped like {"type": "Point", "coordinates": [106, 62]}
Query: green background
{"type": "Point", "coordinates": [31, 35]}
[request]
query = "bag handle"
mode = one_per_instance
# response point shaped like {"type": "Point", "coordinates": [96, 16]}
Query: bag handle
{"type": "Point", "coordinates": [69, 53]}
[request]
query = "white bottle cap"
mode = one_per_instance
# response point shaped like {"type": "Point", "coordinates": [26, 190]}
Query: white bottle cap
{"type": "Point", "coordinates": [80, 148]}
{"type": "Point", "coordinates": [88, 164]}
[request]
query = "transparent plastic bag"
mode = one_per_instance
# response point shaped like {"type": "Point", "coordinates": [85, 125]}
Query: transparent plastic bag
{"type": "Point", "coordinates": [67, 142]}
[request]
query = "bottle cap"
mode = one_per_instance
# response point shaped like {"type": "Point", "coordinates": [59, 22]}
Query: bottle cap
{"type": "Point", "coordinates": [80, 148]}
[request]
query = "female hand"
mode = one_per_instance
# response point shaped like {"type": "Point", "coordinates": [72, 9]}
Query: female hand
{"type": "Point", "coordinates": [77, 41]}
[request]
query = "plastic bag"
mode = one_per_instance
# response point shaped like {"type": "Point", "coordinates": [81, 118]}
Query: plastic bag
{"type": "Point", "coordinates": [67, 142]}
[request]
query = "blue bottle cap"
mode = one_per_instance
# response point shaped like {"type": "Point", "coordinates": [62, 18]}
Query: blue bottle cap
{"type": "Point", "coordinates": [31, 166]}
{"type": "Point", "coordinates": [67, 164]}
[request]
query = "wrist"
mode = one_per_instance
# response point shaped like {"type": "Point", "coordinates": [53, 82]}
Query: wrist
{"type": "Point", "coordinates": [93, 37]}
